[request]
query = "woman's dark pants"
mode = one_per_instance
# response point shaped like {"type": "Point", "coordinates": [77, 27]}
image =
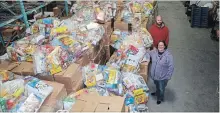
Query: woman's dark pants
{"type": "Point", "coordinates": [160, 89]}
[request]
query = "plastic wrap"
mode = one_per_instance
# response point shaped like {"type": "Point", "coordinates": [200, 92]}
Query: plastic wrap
{"type": "Point", "coordinates": [10, 88]}
{"type": "Point", "coordinates": [39, 88]}
{"type": "Point", "coordinates": [39, 63]}
{"type": "Point", "coordinates": [53, 61]}
{"type": "Point", "coordinates": [6, 75]}
{"type": "Point", "coordinates": [89, 75]}
{"type": "Point", "coordinates": [32, 104]}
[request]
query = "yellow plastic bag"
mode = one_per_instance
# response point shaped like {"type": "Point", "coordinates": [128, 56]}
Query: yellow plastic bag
{"type": "Point", "coordinates": [90, 81]}
{"type": "Point", "coordinates": [61, 29]}
{"type": "Point", "coordinates": [53, 59]}
{"type": "Point", "coordinates": [139, 96]}
{"type": "Point", "coordinates": [55, 69]}
{"type": "Point", "coordinates": [67, 41]}
{"type": "Point", "coordinates": [114, 38]}
{"type": "Point", "coordinates": [18, 92]}
{"type": "Point", "coordinates": [4, 75]}
{"type": "Point", "coordinates": [148, 6]}
{"type": "Point", "coordinates": [112, 77]}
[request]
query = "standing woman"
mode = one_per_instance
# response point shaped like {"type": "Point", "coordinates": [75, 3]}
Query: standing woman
{"type": "Point", "coordinates": [161, 69]}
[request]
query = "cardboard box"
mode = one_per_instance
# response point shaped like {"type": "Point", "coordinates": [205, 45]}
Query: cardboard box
{"type": "Point", "coordinates": [70, 76]}
{"type": "Point", "coordinates": [83, 61]}
{"type": "Point", "coordinates": [7, 65]}
{"type": "Point", "coordinates": [99, 56]}
{"type": "Point", "coordinates": [24, 68]}
{"type": "Point", "coordinates": [94, 103]}
{"type": "Point", "coordinates": [144, 70]}
{"type": "Point", "coordinates": [76, 87]}
{"type": "Point", "coordinates": [8, 32]}
{"type": "Point", "coordinates": [126, 109]}
{"type": "Point", "coordinates": [121, 26]}
{"type": "Point", "coordinates": [48, 77]}
{"type": "Point", "coordinates": [54, 101]}
{"type": "Point", "coordinates": [144, 22]}
{"type": "Point", "coordinates": [56, 11]}
{"type": "Point", "coordinates": [108, 30]}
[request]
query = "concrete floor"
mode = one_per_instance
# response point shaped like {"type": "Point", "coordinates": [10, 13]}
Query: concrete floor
{"type": "Point", "coordinates": [194, 85]}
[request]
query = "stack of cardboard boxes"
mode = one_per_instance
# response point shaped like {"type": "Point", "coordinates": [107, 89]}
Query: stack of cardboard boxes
{"type": "Point", "coordinates": [71, 77]}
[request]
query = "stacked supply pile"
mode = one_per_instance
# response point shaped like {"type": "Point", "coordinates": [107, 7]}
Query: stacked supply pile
{"type": "Point", "coordinates": [112, 83]}
{"type": "Point", "coordinates": [29, 94]}
{"type": "Point", "coordinates": [130, 51]}
{"type": "Point", "coordinates": [51, 47]}
{"type": "Point", "coordinates": [101, 12]}
{"type": "Point", "coordinates": [136, 12]}
{"type": "Point", "coordinates": [73, 52]}
{"type": "Point", "coordinates": [54, 48]}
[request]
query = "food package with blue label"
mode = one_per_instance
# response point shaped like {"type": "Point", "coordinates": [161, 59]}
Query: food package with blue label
{"type": "Point", "coordinates": [114, 77]}
{"type": "Point", "coordinates": [38, 87]}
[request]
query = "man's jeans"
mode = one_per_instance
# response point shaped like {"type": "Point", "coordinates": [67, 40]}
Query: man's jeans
{"type": "Point", "coordinates": [160, 89]}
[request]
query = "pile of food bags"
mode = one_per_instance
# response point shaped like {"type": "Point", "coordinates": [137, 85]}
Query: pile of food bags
{"type": "Point", "coordinates": [136, 9]}
{"type": "Point", "coordinates": [109, 81]}
{"type": "Point", "coordinates": [101, 11]}
{"type": "Point", "coordinates": [49, 60]}
{"type": "Point", "coordinates": [52, 44]}
{"type": "Point", "coordinates": [131, 48]}
{"type": "Point", "coordinates": [23, 94]}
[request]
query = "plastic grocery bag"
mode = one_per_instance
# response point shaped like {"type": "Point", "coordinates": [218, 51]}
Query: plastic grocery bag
{"type": "Point", "coordinates": [31, 104]}
{"type": "Point", "coordinates": [53, 61]}
{"type": "Point", "coordinates": [89, 74]}
{"type": "Point", "coordinates": [11, 88]}
{"type": "Point", "coordinates": [131, 63]}
{"type": "Point", "coordinates": [133, 81]}
{"type": "Point", "coordinates": [39, 63]}
{"type": "Point", "coordinates": [38, 87]}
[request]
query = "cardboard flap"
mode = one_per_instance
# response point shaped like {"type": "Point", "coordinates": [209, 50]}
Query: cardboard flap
{"type": "Point", "coordinates": [102, 107]}
{"type": "Point", "coordinates": [90, 106]}
{"type": "Point", "coordinates": [104, 100]}
{"type": "Point", "coordinates": [24, 68]}
{"type": "Point", "coordinates": [117, 103]}
{"type": "Point", "coordinates": [78, 106]}
{"type": "Point", "coordinates": [94, 103]}
{"type": "Point", "coordinates": [8, 66]}
{"type": "Point", "coordinates": [71, 69]}
{"type": "Point", "coordinates": [27, 67]}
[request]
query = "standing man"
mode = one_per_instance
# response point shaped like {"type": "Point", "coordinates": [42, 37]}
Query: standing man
{"type": "Point", "coordinates": [159, 32]}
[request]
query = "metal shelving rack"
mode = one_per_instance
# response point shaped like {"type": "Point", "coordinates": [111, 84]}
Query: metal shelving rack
{"type": "Point", "coordinates": [24, 11]}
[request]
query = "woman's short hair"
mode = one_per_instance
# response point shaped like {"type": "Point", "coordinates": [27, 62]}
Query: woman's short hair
{"type": "Point", "coordinates": [164, 43]}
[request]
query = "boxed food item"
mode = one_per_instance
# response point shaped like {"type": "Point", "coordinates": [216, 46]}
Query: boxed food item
{"type": "Point", "coordinates": [54, 101]}
{"type": "Point", "coordinates": [94, 103]}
